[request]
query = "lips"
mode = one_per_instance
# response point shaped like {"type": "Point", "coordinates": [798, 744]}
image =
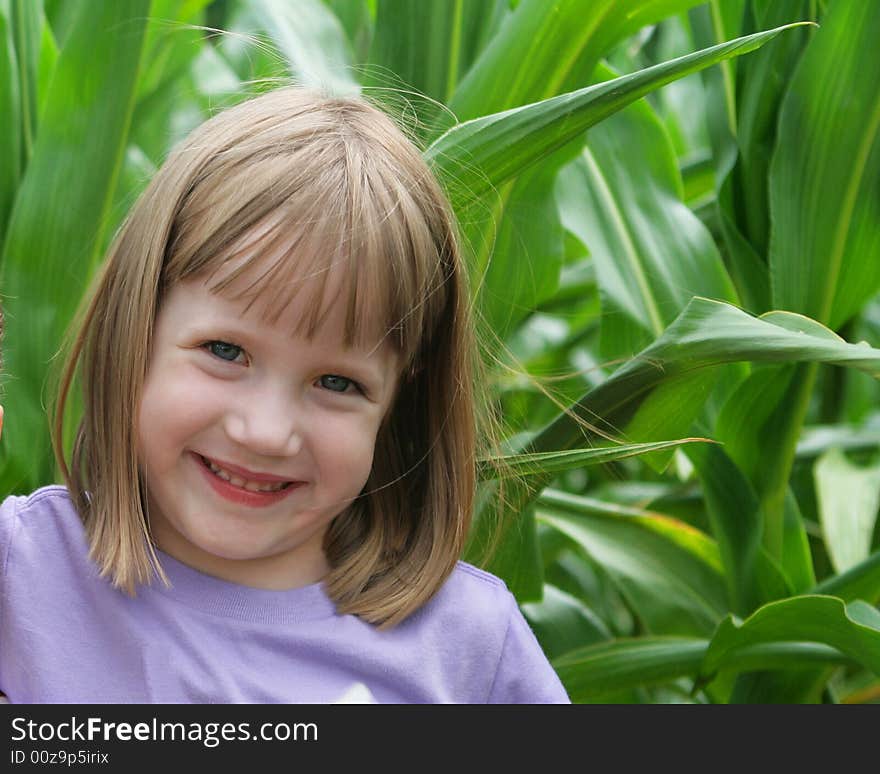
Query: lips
{"type": "Point", "coordinates": [244, 486]}
{"type": "Point", "coordinates": [253, 482]}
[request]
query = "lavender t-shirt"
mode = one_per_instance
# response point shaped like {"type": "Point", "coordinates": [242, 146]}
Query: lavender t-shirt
{"type": "Point", "coordinates": [66, 635]}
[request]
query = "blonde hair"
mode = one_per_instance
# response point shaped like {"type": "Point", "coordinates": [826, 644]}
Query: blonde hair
{"type": "Point", "coordinates": [294, 176]}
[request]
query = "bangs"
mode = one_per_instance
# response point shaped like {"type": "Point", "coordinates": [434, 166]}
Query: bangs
{"type": "Point", "coordinates": [315, 228]}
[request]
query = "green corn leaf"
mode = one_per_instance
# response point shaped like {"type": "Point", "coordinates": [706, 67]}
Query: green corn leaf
{"type": "Point", "coordinates": [706, 334]}
{"type": "Point", "coordinates": [11, 157]}
{"type": "Point", "coordinates": [525, 261]}
{"type": "Point", "coordinates": [861, 581]}
{"type": "Point", "coordinates": [733, 513]}
{"type": "Point", "coordinates": [622, 198]}
{"type": "Point", "coordinates": [480, 154]}
{"type": "Point", "coordinates": [825, 239]}
{"type": "Point", "coordinates": [48, 60]}
{"type": "Point", "coordinates": [313, 42]}
{"type": "Point", "coordinates": [659, 565]}
{"type": "Point", "coordinates": [27, 27]}
{"type": "Point", "coordinates": [552, 463]}
{"type": "Point", "coordinates": [848, 497]}
{"type": "Point", "coordinates": [674, 530]}
{"type": "Point", "coordinates": [853, 629]}
{"type": "Point", "coordinates": [517, 557]}
{"type": "Point", "coordinates": [752, 403]}
{"type": "Point", "coordinates": [562, 622]}
{"type": "Point", "coordinates": [356, 18]}
{"type": "Point", "coordinates": [522, 268]}
{"type": "Point", "coordinates": [797, 558]}
{"type": "Point", "coordinates": [817, 439]}
{"type": "Point", "coordinates": [761, 82]}
{"type": "Point", "coordinates": [60, 214]}
{"type": "Point", "coordinates": [429, 45]}
{"type": "Point", "coordinates": [520, 66]}
{"type": "Point", "coordinates": [774, 399]}
{"type": "Point", "coordinates": [596, 672]}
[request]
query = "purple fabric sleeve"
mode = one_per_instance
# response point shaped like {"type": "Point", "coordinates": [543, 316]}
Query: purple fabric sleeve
{"type": "Point", "coordinates": [524, 675]}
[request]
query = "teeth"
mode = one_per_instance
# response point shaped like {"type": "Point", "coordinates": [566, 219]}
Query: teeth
{"type": "Point", "coordinates": [243, 483]}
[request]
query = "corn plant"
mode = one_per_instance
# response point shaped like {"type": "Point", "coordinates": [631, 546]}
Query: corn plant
{"type": "Point", "coordinates": [670, 214]}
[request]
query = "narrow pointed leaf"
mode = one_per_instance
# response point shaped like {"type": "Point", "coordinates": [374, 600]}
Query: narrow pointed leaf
{"type": "Point", "coordinates": [478, 155]}
{"type": "Point", "coordinates": [706, 334]}
{"type": "Point", "coordinates": [775, 399]}
{"type": "Point", "coordinates": [551, 463]}
{"type": "Point", "coordinates": [581, 33]}
{"type": "Point", "coordinates": [533, 70]}
{"type": "Point", "coordinates": [710, 332]}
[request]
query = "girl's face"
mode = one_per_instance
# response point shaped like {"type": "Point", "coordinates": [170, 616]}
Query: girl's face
{"type": "Point", "coordinates": [252, 439]}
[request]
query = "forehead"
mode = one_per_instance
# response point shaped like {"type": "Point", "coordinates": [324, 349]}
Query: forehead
{"type": "Point", "coordinates": [307, 292]}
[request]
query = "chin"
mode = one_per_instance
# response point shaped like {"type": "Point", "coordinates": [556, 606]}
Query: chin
{"type": "Point", "coordinates": [236, 553]}
{"type": "Point", "coordinates": [234, 547]}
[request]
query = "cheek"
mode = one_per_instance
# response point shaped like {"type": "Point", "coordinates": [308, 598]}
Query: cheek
{"type": "Point", "coordinates": [347, 451]}
{"type": "Point", "coordinates": [173, 408]}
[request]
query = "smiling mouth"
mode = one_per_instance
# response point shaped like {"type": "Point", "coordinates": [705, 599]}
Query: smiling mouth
{"type": "Point", "coordinates": [243, 483]}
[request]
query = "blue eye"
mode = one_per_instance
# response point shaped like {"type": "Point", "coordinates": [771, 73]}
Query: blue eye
{"type": "Point", "coordinates": [224, 350]}
{"type": "Point", "coordinates": [336, 383]}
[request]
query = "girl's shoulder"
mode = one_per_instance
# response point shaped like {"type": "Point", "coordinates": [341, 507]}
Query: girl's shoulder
{"type": "Point", "coordinates": [19, 503]}
{"type": "Point", "coordinates": [43, 502]}
{"type": "Point", "coordinates": [483, 586]}
{"type": "Point", "coordinates": [480, 578]}
{"type": "Point", "coordinates": [48, 509]}
{"type": "Point", "coordinates": [473, 587]}
{"type": "Point", "coordinates": [476, 610]}
{"type": "Point", "coordinates": [471, 599]}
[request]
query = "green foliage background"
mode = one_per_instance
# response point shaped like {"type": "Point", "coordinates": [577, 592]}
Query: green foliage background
{"type": "Point", "coordinates": [673, 219]}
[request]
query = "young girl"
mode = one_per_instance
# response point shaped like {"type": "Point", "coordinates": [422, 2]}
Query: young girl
{"type": "Point", "coordinates": [273, 477]}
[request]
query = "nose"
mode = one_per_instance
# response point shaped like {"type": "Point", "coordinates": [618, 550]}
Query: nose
{"type": "Point", "coordinates": [269, 422]}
